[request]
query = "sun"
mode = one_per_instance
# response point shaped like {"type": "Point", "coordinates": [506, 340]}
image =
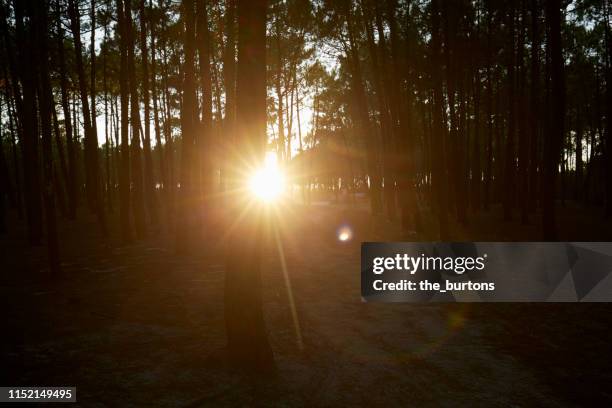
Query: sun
{"type": "Point", "coordinates": [267, 183]}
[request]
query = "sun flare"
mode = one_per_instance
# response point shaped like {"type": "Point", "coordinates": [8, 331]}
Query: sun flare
{"type": "Point", "coordinates": [267, 183]}
{"type": "Point", "coordinates": [345, 234]}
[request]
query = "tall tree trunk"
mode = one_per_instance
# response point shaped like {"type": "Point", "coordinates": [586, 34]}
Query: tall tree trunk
{"type": "Point", "coordinates": [158, 141]}
{"type": "Point", "coordinates": [556, 119]}
{"type": "Point", "coordinates": [188, 128]}
{"type": "Point", "coordinates": [510, 159]}
{"type": "Point", "coordinates": [579, 164]}
{"type": "Point", "coordinates": [523, 136]}
{"type": "Point", "coordinates": [59, 189]}
{"type": "Point", "coordinates": [124, 171]}
{"type": "Point", "coordinates": [169, 142]}
{"type": "Point", "coordinates": [107, 131]}
{"type": "Point", "coordinates": [280, 63]}
{"type": "Point", "coordinates": [489, 146]}
{"type": "Point", "coordinates": [91, 138]}
{"type": "Point", "coordinates": [406, 139]}
{"type": "Point", "coordinates": [71, 185]}
{"type": "Point", "coordinates": [534, 111]}
{"type": "Point", "coordinates": [149, 182]}
{"type": "Point", "coordinates": [38, 21]}
{"type": "Point", "coordinates": [299, 124]}
{"type": "Point", "coordinates": [378, 57]}
{"type": "Point", "coordinates": [399, 143]}
{"type": "Point", "coordinates": [247, 339]}
{"type": "Point", "coordinates": [439, 128]}
{"type": "Point", "coordinates": [229, 83]}
{"type": "Point", "coordinates": [607, 142]}
{"type": "Point", "coordinates": [92, 57]}
{"type": "Point", "coordinates": [362, 116]}
{"type": "Point", "coordinates": [13, 131]}
{"type": "Point", "coordinates": [205, 140]}
{"type": "Point", "coordinates": [476, 180]}
{"type": "Point", "coordinates": [4, 180]}
{"type": "Point", "coordinates": [116, 141]}
{"type": "Point", "coordinates": [453, 69]}
{"type": "Point", "coordinates": [289, 95]}
{"type": "Point", "coordinates": [138, 202]}
{"type": "Point", "coordinates": [29, 123]}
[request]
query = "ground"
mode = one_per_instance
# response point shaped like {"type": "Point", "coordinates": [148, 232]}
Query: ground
{"type": "Point", "coordinates": [139, 325]}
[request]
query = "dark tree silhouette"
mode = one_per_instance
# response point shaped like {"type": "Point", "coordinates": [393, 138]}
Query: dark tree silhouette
{"type": "Point", "coordinates": [247, 339]}
{"type": "Point", "coordinates": [556, 115]}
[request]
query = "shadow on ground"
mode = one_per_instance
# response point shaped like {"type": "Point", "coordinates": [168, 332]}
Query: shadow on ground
{"type": "Point", "coordinates": [140, 325]}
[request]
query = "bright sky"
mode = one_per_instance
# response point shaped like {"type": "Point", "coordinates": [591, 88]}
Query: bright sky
{"type": "Point", "coordinates": [306, 112]}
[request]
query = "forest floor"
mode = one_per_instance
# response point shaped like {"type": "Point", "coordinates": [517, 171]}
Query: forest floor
{"type": "Point", "coordinates": [139, 325]}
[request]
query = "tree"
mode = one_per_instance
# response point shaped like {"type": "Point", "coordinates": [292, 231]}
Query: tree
{"type": "Point", "coordinates": [188, 129]}
{"type": "Point", "coordinates": [163, 170]}
{"type": "Point", "coordinates": [71, 182]}
{"type": "Point", "coordinates": [92, 183]}
{"type": "Point", "coordinates": [510, 159]}
{"type": "Point", "coordinates": [29, 123]}
{"type": "Point", "coordinates": [149, 183]}
{"type": "Point", "coordinates": [247, 340]}
{"type": "Point", "coordinates": [124, 171]}
{"type": "Point", "coordinates": [138, 202]}
{"type": "Point", "coordinates": [556, 115]}
{"type": "Point", "coordinates": [40, 27]}
{"type": "Point", "coordinates": [361, 115]}
{"type": "Point", "coordinates": [206, 121]}
{"type": "Point", "coordinates": [229, 84]}
{"type": "Point", "coordinates": [439, 126]}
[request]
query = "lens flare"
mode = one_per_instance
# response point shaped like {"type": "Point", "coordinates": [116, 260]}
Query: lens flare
{"type": "Point", "coordinates": [345, 234]}
{"type": "Point", "coordinates": [267, 183]}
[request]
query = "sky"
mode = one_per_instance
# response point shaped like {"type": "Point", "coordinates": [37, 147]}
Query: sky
{"type": "Point", "coordinates": [306, 106]}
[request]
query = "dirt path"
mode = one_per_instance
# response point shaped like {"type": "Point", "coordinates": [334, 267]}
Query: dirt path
{"type": "Point", "coordinates": [140, 325]}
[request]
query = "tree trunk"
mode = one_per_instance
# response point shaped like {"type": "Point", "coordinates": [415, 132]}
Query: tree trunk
{"type": "Point", "coordinates": [607, 142]}
{"type": "Point", "coordinates": [439, 127]}
{"type": "Point", "coordinates": [8, 54]}
{"type": "Point", "coordinates": [29, 123]}
{"type": "Point", "coordinates": [91, 139]}
{"type": "Point", "coordinates": [229, 83]}
{"type": "Point", "coordinates": [149, 182]}
{"type": "Point", "coordinates": [158, 141]}
{"type": "Point", "coordinates": [534, 114]}
{"type": "Point", "coordinates": [92, 57]}
{"type": "Point", "coordinates": [523, 136]}
{"type": "Point", "coordinates": [4, 181]}
{"type": "Point", "coordinates": [509, 162]}
{"type": "Point", "coordinates": [378, 57]}
{"type": "Point", "coordinates": [188, 129]}
{"type": "Point", "coordinates": [124, 172]}
{"type": "Point", "coordinates": [205, 140]}
{"type": "Point", "coordinates": [169, 151]}
{"type": "Point", "coordinates": [38, 21]}
{"type": "Point", "coordinates": [289, 110]}
{"type": "Point", "coordinates": [59, 190]}
{"type": "Point", "coordinates": [578, 174]}
{"type": "Point", "coordinates": [13, 130]}
{"type": "Point", "coordinates": [247, 339]}
{"type": "Point", "coordinates": [280, 63]}
{"type": "Point", "coordinates": [489, 148]}
{"type": "Point", "coordinates": [556, 119]}
{"type": "Point", "coordinates": [109, 198]}
{"type": "Point", "coordinates": [138, 203]}
{"type": "Point", "coordinates": [452, 73]}
{"type": "Point", "coordinates": [71, 185]}
{"type": "Point", "coordinates": [362, 116]}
